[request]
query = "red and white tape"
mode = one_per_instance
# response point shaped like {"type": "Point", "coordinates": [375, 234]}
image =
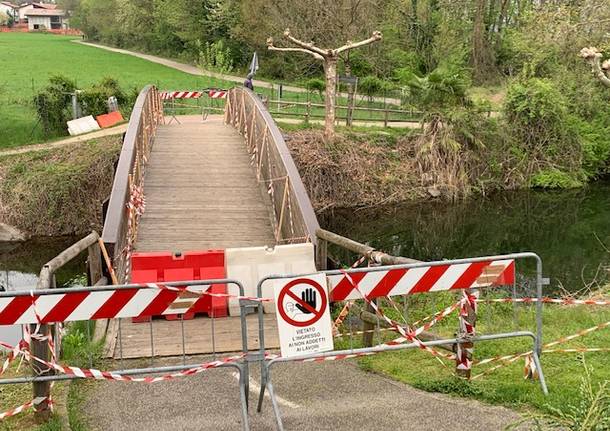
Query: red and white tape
{"type": "Point", "coordinates": [217, 94]}
{"type": "Point", "coordinates": [24, 407]}
{"type": "Point", "coordinates": [168, 95]}
{"type": "Point", "coordinates": [562, 301]}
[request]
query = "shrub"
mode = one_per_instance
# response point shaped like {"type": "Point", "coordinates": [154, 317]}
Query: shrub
{"type": "Point", "coordinates": [94, 100]}
{"type": "Point", "coordinates": [53, 104]}
{"type": "Point", "coordinates": [537, 115]}
{"type": "Point", "coordinates": [370, 86]}
{"type": "Point", "coordinates": [215, 57]}
{"type": "Point", "coordinates": [316, 84]}
{"type": "Point", "coordinates": [444, 87]}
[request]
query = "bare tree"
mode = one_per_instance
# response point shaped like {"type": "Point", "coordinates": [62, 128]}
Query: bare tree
{"type": "Point", "coordinates": [330, 58]}
{"type": "Point", "coordinates": [594, 58]}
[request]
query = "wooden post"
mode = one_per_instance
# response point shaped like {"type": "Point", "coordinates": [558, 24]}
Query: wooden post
{"type": "Point", "coordinates": [368, 327]}
{"type": "Point", "coordinates": [42, 390]}
{"type": "Point", "coordinates": [308, 112]}
{"type": "Point", "coordinates": [322, 254]}
{"type": "Point", "coordinates": [466, 330]}
{"type": "Point", "coordinates": [95, 263]}
{"type": "Point", "coordinates": [385, 118]}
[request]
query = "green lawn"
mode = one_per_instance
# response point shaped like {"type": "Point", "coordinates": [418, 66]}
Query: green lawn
{"type": "Point", "coordinates": [506, 385]}
{"type": "Point", "coordinates": [30, 59]}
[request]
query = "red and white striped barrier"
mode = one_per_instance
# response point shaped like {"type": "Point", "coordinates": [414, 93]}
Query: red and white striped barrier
{"type": "Point", "coordinates": [407, 281]}
{"type": "Point", "coordinates": [217, 94]}
{"type": "Point", "coordinates": [169, 95]}
{"type": "Point", "coordinates": [152, 299]}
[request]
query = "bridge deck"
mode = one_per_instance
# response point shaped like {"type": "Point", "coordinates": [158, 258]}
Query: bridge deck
{"type": "Point", "coordinates": [201, 191]}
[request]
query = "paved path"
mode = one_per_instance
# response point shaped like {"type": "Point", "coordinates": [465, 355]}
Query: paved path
{"type": "Point", "coordinates": [194, 70]}
{"type": "Point", "coordinates": [201, 190]}
{"type": "Point", "coordinates": [321, 396]}
{"type": "Point", "coordinates": [117, 130]}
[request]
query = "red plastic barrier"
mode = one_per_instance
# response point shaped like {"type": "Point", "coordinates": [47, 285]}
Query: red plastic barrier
{"type": "Point", "coordinates": [192, 265]}
{"type": "Point", "coordinates": [107, 120]}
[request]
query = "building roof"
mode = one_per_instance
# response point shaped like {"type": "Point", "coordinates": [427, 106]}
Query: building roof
{"type": "Point", "coordinates": [36, 5]}
{"type": "Point", "coordinates": [9, 4]}
{"type": "Point", "coordinates": [44, 12]}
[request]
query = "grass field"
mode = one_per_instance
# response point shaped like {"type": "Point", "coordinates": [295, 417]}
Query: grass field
{"type": "Point", "coordinates": [30, 59]}
{"type": "Point", "coordinates": [505, 386]}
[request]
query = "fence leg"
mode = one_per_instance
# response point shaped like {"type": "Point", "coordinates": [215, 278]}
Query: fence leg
{"type": "Point", "coordinates": [243, 392]}
{"type": "Point", "coordinates": [276, 407]}
{"type": "Point", "coordinates": [42, 390]}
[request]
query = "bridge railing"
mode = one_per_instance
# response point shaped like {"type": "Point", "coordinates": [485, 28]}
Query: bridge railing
{"type": "Point", "coordinates": [124, 208]}
{"type": "Point", "coordinates": [293, 218]}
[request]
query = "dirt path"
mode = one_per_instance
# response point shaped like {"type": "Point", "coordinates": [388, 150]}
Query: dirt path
{"type": "Point", "coordinates": [194, 70]}
{"type": "Point", "coordinates": [117, 130]}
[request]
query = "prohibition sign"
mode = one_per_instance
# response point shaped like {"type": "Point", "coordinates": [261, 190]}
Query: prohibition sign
{"type": "Point", "coordinates": [316, 313]}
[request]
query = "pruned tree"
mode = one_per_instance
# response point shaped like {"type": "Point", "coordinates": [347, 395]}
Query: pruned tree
{"type": "Point", "coordinates": [330, 57]}
{"type": "Point", "coordinates": [594, 58]}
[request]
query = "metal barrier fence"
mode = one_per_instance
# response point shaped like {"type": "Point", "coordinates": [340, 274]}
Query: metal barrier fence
{"type": "Point", "coordinates": [465, 275]}
{"type": "Point", "coordinates": [44, 308]}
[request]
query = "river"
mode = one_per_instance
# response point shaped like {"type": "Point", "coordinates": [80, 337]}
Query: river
{"type": "Point", "coordinates": [570, 230]}
{"type": "Point", "coordinates": [20, 265]}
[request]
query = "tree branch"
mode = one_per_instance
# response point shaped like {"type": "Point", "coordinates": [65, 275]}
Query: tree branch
{"type": "Point", "coordinates": [350, 45]}
{"type": "Point", "coordinates": [594, 57]}
{"type": "Point", "coordinates": [307, 46]}
{"type": "Point", "coordinates": [276, 48]}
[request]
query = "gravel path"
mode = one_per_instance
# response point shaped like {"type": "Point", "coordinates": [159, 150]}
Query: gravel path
{"type": "Point", "coordinates": [321, 396]}
{"type": "Point", "coordinates": [117, 130]}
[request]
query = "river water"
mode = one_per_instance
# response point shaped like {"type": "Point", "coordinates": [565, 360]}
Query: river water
{"type": "Point", "coordinates": [570, 230]}
{"type": "Point", "coordinates": [20, 265]}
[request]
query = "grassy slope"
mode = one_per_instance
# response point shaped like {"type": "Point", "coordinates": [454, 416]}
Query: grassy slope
{"type": "Point", "coordinates": [58, 191]}
{"type": "Point", "coordinates": [30, 59]}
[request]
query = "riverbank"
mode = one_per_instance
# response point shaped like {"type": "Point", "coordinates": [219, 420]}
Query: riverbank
{"type": "Point", "coordinates": [58, 191]}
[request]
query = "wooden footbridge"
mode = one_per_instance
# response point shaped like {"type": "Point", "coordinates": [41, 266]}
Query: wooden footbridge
{"type": "Point", "coordinates": [224, 182]}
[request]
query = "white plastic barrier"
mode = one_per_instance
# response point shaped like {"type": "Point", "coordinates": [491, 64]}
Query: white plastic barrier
{"type": "Point", "coordinates": [82, 125]}
{"type": "Point", "coordinates": [250, 264]}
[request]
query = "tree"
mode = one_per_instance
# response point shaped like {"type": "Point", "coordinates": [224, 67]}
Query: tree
{"type": "Point", "coordinates": [330, 58]}
{"type": "Point", "coordinates": [594, 58]}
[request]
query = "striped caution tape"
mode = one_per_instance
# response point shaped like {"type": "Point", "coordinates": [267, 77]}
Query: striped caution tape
{"type": "Point", "coordinates": [345, 310]}
{"type": "Point", "coordinates": [91, 373]}
{"type": "Point", "coordinates": [405, 336]}
{"type": "Point", "coordinates": [24, 407]}
{"type": "Point", "coordinates": [509, 359]}
{"type": "Point", "coordinates": [566, 301]}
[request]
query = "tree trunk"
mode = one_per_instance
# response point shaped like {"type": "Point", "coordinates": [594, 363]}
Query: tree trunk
{"type": "Point", "coordinates": [330, 68]}
{"type": "Point", "coordinates": [481, 55]}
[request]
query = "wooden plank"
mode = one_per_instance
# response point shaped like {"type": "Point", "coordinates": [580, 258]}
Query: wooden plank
{"type": "Point", "coordinates": [201, 191]}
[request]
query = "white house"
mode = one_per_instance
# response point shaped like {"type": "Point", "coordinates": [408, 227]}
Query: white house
{"type": "Point", "coordinates": [29, 5]}
{"type": "Point", "coordinates": [46, 19]}
{"type": "Point", "coordinates": [9, 9]}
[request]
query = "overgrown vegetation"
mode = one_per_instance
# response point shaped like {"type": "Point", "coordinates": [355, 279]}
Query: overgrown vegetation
{"type": "Point", "coordinates": [54, 102]}
{"type": "Point", "coordinates": [58, 192]}
{"type": "Point", "coordinates": [578, 396]}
